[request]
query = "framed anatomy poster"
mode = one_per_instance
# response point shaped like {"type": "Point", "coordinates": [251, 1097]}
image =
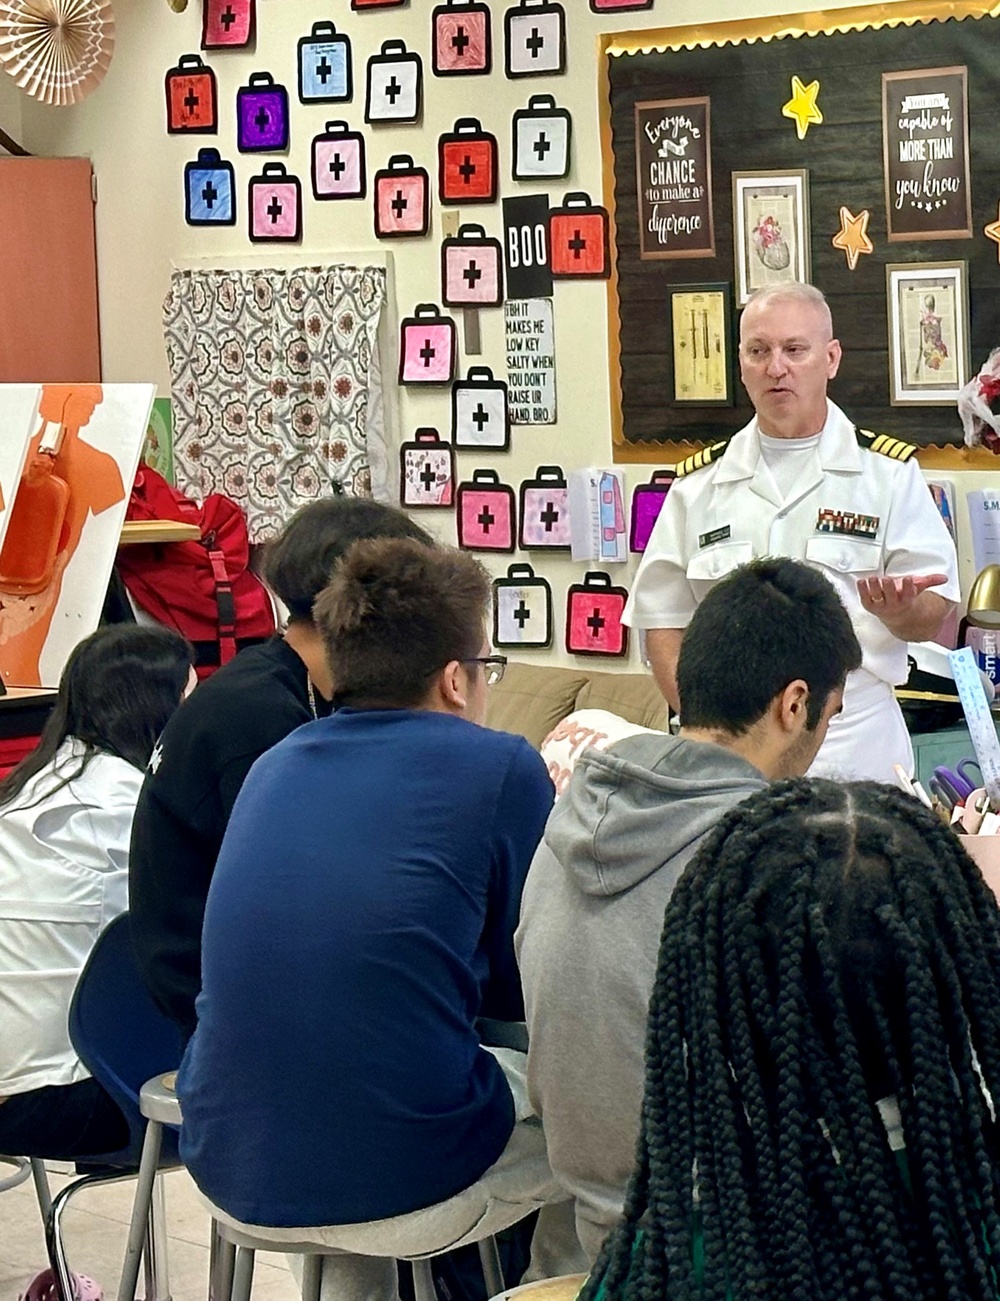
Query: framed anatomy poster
{"type": "Point", "coordinates": [770, 230]}
{"type": "Point", "coordinates": [701, 328]}
{"type": "Point", "coordinates": [928, 332]}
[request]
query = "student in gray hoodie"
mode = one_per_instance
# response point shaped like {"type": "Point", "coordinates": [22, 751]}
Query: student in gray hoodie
{"type": "Point", "coordinates": [760, 675]}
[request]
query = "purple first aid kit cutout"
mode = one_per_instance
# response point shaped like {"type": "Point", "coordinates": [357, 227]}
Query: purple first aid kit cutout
{"type": "Point", "coordinates": [647, 502]}
{"type": "Point", "coordinates": [261, 115]}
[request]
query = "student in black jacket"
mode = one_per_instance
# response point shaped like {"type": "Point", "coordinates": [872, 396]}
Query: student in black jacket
{"type": "Point", "coordinates": [210, 744]}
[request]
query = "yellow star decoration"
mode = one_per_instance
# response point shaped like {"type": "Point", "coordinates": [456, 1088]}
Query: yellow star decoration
{"type": "Point", "coordinates": [992, 231]}
{"type": "Point", "coordinates": [802, 107]}
{"type": "Point", "coordinates": [853, 235]}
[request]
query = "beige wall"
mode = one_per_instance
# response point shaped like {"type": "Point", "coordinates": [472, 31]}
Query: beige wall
{"type": "Point", "coordinates": [11, 101]}
{"type": "Point", "coordinates": [140, 215]}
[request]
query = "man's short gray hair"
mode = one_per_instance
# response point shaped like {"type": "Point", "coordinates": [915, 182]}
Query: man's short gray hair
{"type": "Point", "coordinates": [792, 291]}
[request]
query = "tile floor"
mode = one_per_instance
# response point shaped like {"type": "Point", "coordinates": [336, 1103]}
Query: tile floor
{"type": "Point", "coordinates": [96, 1225]}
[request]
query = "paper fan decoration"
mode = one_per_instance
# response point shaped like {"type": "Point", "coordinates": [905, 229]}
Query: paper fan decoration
{"type": "Point", "coordinates": [56, 50]}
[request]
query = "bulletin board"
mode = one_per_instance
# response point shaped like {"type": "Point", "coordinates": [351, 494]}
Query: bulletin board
{"type": "Point", "coordinates": [744, 72]}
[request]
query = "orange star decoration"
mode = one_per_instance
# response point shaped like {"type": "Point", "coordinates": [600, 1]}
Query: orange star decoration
{"type": "Point", "coordinates": [802, 107]}
{"type": "Point", "coordinates": [853, 235]}
{"type": "Point", "coordinates": [992, 231]}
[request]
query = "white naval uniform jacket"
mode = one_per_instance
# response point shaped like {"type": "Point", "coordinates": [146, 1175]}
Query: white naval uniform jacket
{"type": "Point", "coordinates": [730, 512]}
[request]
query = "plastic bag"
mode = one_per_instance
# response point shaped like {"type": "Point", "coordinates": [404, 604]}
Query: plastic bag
{"type": "Point", "coordinates": [979, 406]}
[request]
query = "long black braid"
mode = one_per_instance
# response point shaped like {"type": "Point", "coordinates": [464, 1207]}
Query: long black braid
{"type": "Point", "coordinates": [831, 946]}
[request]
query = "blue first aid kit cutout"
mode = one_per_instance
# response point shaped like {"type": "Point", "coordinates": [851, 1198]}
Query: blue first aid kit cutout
{"type": "Point", "coordinates": [325, 73]}
{"type": "Point", "coordinates": [209, 190]}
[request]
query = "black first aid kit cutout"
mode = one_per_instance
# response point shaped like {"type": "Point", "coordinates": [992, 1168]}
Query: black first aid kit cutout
{"type": "Point", "coordinates": [535, 45]}
{"type": "Point", "coordinates": [209, 190]}
{"type": "Point", "coordinates": [275, 205]}
{"type": "Point", "coordinates": [467, 164]}
{"type": "Point", "coordinates": [227, 24]}
{"type": "Point", "coordinates": [480, 414]}
{"type": "Point", "coordinates": [427, 472]}
{"type": "Point", "coordinates": [402, 199]}
{"type": "Point", "coordinates": [545, 511]}
{"type": "Point", "coordinates": [462, 39]}
{"type": "Point", "coordinates": [325, 70]}
{"type": "Point", "coordinates": [579, 244]}
{"type": "Point", "coordinates": [471, 269]}
{"type": "Point", "coordinates": [594, 610]}
{"type": "Point", "coordinates": [647, 502]}
{"type": "Point", "coordinates": [486, 513]}
{"type": "Point", "coordinates": [522, 610]}
{"type": "Point", "coordinates": [526, 246]}
{"type": "Point", "coordinates": [192, 97]}
{"type": "Point", "coordinates": [395, 85]}
{"type": "Point", "coordinates": [428, 346]}
{"type": "Point", "coordinates": [338, 163]}
{"type": "Point", "coordinates": [541, 138]}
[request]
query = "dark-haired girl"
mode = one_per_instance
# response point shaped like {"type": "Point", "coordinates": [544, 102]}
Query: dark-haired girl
{"type": "Point", "coordinates": [65, 821]}
{"type": "Point", "coordinates": [822, 1065]}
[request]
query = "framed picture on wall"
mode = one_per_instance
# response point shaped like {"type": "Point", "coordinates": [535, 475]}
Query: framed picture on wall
{"type": "Point", "coordinates": [928, 313]}
{"type": "Point", "coordinates": [702, 353]}
{"type": "Point", "coordinates": [925, 147]}
{"type": "Point", "coordinates": [770, 230]}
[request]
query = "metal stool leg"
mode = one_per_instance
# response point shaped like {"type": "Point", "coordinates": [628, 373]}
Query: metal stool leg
{"type": "Point", "coordinates": [243, 1274]}
{"type": "Point", "coordinates": [423, 1281]}
{"type": "Point", "coordinates": [312, 1277]}
{"type": "Point", "coordinates": [155, 1250]}
{"type": "Point", "coordinates": [42, 1190]}
{"type": "Point", "coordinates": [489, 1256]}
{"type": "Point", "coordinates": [222, 1258]}
{"type": "Point", "coordinates": [141, 1208]}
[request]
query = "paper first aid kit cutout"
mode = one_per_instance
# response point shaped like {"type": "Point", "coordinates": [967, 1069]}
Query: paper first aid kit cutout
{"type": "Point", "coordinates": [579, 239]}
{"type": "Point", "coordinates": [594, 610]}
{"type": "Point", "coordinates": [275, 202]}
{"type": "Point", "coordinates": [467, 164]}
{"type": "Point", "coordinates": [428, 347]}
{"type": "Point", "coordinates": [545, 511]}
{"type": "Point", "coordinates": [192, 97]}
{"type": "Point", "coordinates": [535, 45]}
{"type": "Point", "coordinates": [647, 502]}
{"type": "Point", "coordinates": [209, 190]}
{"type": "Point", "coordinates": [402, 199]}
{"type": "Point", "coordinates": [480, 416]}
{"type": "Point", "coordinates": [395, 85]}
{"type": "Point", "coordinates": [261, 115]}
{"type": "Point", "coordinates": [597, 515]}
{"type": "Point", "coordinates": [325, 70]}
{"type": "Point", "coordinates": [427, 471]}
{"type": "Point", "coordinates": [227, 23]}
{"type": "Point", "coordinates": [462, 41]}
{"type": "Point", "coordinates": [377, 4]}
{"type": "Point", "coordinates": [522, 610]}
{"type": "Point", "coordinates": [65, 522]}
{"type": "Point", "coordinates": [541, 134]}
{"type": "Point", "coordinates": [338, 163]}
{"type": "Point", "coordinates": [471, 269]}
{"type": "Point", "coordinates": [486, 513]}
{"type": "Point", "coordinates": [618, 6]}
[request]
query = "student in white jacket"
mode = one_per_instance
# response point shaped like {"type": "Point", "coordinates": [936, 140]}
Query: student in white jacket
{"type": "Point", "coordinates": [65, 821]}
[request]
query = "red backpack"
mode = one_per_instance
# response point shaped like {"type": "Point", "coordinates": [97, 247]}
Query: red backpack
{"type": "Point", "coordinates": [201, 588]}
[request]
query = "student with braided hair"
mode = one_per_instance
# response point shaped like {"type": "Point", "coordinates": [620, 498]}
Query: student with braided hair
{"type": "Point", "coordinates": [822, 1064]}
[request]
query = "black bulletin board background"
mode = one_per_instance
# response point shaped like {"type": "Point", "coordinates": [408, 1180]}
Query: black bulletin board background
{"type": "Point", "coordinates": [748, 84]}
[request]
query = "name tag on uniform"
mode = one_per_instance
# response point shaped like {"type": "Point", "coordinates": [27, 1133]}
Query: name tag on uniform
{"type": "Point", "coordinates": [716, 535]}
{"type": "Point", "coordinates": [847, 523]}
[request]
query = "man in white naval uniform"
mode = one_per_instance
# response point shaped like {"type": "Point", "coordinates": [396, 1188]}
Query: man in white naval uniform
{"type": "Point", "coordinates": [800, 480]}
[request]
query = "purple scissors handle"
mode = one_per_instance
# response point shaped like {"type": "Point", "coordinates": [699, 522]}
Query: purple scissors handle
{"type": "Point", "coordinates": [960, 769]}
{"type": "Point", "coordinates": [954, 784]}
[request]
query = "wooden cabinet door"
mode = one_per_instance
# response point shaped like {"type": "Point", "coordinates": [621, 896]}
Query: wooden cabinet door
{"type": "Point", "coordinates": [49, 329]}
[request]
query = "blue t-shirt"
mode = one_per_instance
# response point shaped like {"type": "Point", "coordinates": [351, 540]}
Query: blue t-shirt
{"type": "Point", "coordinates": [360, 918]}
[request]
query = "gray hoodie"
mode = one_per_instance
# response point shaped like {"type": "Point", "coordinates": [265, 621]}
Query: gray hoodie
{"type": "Point", "coordinates": [614, 847]}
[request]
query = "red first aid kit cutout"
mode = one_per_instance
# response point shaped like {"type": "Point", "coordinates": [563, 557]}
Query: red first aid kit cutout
{"type": "Point", "coordinates": [463, 42]}
{"type": "Point", "coordinates": [579, 239]}
{"type": "Point", "coordinates": [227, 23]}
{"type": "Point", "coordinates": [191, 97]}
{"type": "Point", "coordinates": [467, 164]}
{"type": "Point", "coordinates": [486, 513]}
{"type": "Point", "coordinates": [402, 199]}
{"type": "Point", "coordinates": [594, 611]}
{"type": "Point", "coordinates": [427, 347]}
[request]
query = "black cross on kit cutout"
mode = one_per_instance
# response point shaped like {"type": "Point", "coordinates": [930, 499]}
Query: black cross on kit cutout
{"type": "Point", "coordinates": [427, 476]}
{"type": "Point", "coordinates": [577, 244]}
{"type": "Point", "coordinates": [486, 519]}
{"type": "Point", "coordinates": [596, 622]}
{"type": "Point", "coordinates": [274, 209]}
{"type": "Point", "coordinates": [542, 146]}
{"type": "Point", "coordinates": [393, 90]}
{"type": "Point", "coordinates": [472, 274]}
{"type": "Point", "coordinates": [262, 119]}
{"type": "Point", "coordinates": [428, 353]}
{"type": "Point", "coordinates": [460, 41]}
{"type": "Point", "coordinates": [338, 167]}
{"type": "Point", "coordinates": [399, 204]}
{"type": "Point", "coordinates": [522, 614]}
{"type": "Point", "coordinates": [209, 193]}
{"type": "Point", "coordinates": [227, 18]}
{"type": "Point", "coordinates": [549, 517]}
{"type": "Point", "coordinates": [467, 171]}
{"type": "Point", "coordinates": [535, 42]}
{"type": "Point", "coordinates": [324, 69]}
{"type": "Point", "coordinates": [191, 101]}
{"type": "Point", "coordinates": [480, 418]}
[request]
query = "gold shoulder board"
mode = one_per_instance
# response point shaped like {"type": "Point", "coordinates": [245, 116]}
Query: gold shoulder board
{"type": "Point", "coordinates": [884, 444]}
{"type": "Point", "coordinates": [705, 456]}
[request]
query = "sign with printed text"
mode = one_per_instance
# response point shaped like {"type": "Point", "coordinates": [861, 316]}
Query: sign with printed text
{"type": "Point", "coordinates": [531, 360]}
{"type": "Point", "coordinates": [925, 145]}
{"type": "Point", "coordinates": [526, 246]}
{"type": "Point", "coordinates": [673, 158]}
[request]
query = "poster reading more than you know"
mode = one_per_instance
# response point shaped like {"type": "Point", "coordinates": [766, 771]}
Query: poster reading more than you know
{"type": "Point", "coordinates": [673, 158]}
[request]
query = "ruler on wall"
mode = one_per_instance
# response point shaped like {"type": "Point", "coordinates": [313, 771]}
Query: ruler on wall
{"type": "Point", "coordinates": [978, 719]}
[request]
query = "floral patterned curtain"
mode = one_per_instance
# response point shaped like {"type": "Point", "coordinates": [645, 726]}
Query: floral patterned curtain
{"type": "Point", "coordinates": [271, 375]}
